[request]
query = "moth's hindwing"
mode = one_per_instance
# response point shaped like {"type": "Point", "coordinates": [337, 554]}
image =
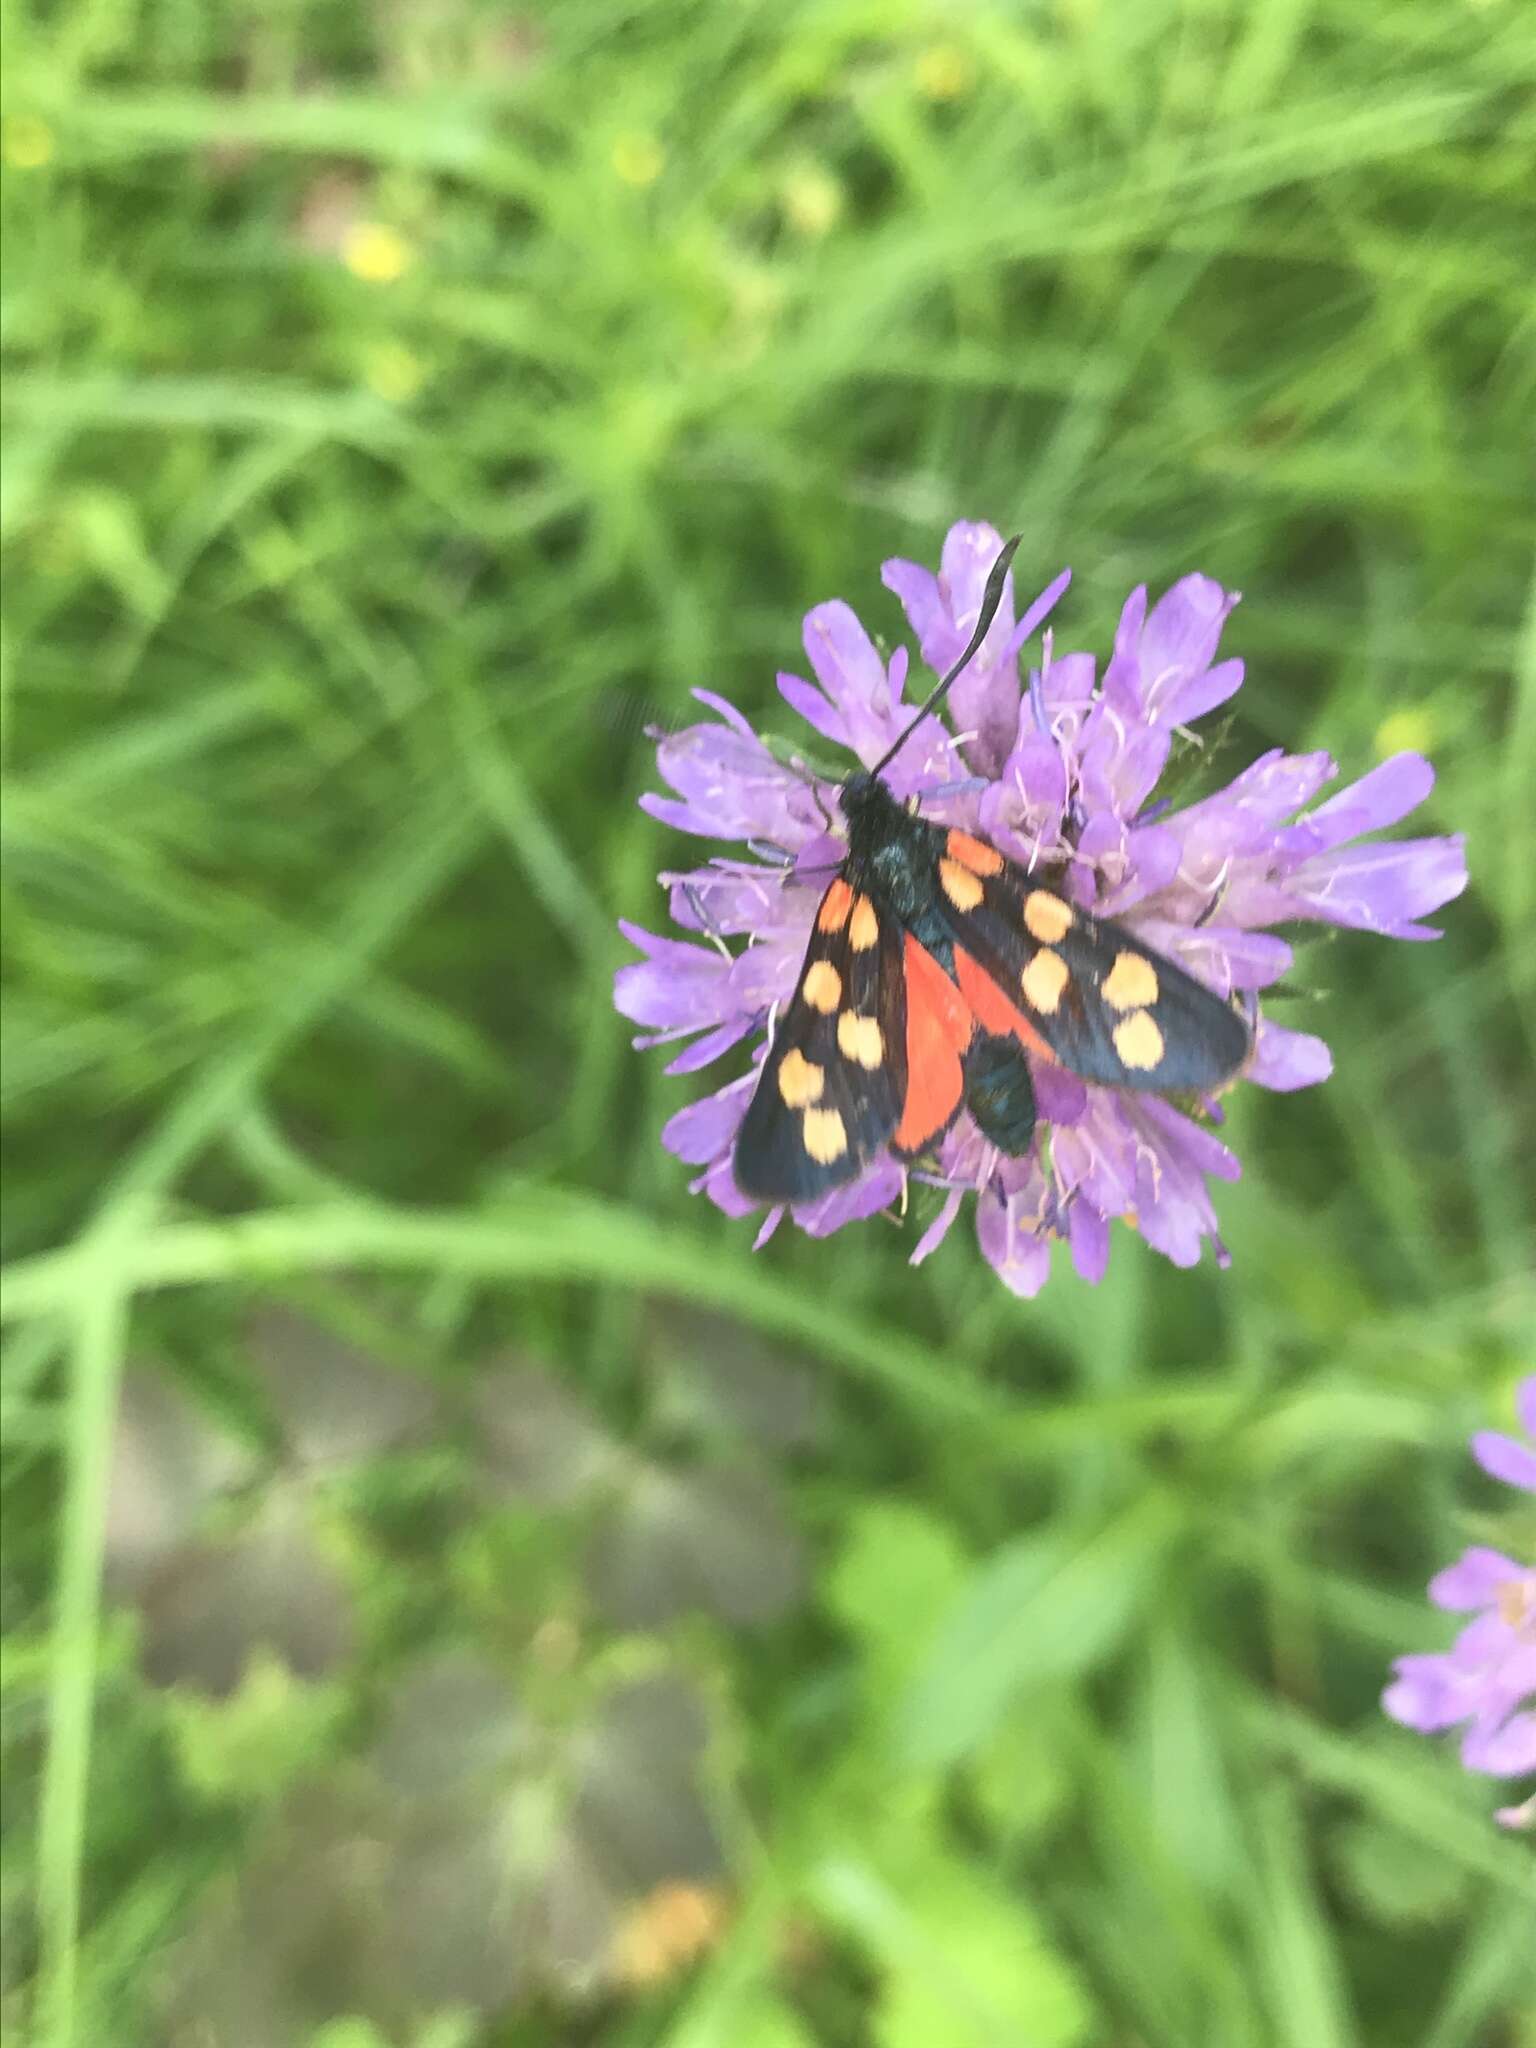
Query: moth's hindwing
{"type": "Point", "coordinates": [1076, 988]}
{"type": "Point", "coordinates": [834, 1079]}
{"type": "Point", "coordinates": [940, 1025]}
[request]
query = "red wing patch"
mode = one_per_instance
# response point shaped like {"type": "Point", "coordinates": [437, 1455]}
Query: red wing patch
{"type": "Point", "coordinates": [994, 1012]}
{"type": "Point", "coordinates": [939, 1028]}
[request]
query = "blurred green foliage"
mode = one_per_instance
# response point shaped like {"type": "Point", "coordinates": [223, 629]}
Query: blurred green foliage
{"type": "Point", "coordinates": [493, 1608]}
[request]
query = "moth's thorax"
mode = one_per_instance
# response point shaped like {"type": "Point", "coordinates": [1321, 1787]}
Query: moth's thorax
{"type": "Point", "coordinates": [889, 847]}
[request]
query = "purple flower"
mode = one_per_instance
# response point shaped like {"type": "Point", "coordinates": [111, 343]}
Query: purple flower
{"type": "Point", "coordinates": [1058, 768]}
{"type": "Point", "coordinates": [1487, 1679]}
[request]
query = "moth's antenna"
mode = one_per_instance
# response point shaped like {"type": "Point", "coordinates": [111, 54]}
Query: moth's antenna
{"type": "Point", "coordinates": [991, 598]}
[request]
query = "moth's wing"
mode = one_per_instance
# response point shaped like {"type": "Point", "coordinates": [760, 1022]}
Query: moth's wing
{"type": "Point", "coordinates": [940, 1027]}
{"type": "Point", "coordinates": [1077, 988]}
{"type": "Point", "coordinates": [834, 1079]}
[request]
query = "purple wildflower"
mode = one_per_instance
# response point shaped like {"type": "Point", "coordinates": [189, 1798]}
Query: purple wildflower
{"type": "Point", "coordinates": [1058, 770]}
{"type": "Point", "coordinates": [1487, 1679]}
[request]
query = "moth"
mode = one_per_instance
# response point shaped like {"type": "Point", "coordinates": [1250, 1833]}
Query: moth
{"type": "Point", "coordinates": [937, 968]}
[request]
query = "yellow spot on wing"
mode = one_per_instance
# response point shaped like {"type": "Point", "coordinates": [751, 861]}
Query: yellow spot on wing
{"type": "Point", "coordinates": [1139, 1042]}
{"type": "Point", "coordinates": [1047, 917]}
{"type": "Point", "coordinates": [962, 888]}
{"type": "Point", "coordinates": [825, 1137]}
{"type": "Point", "coordinates": [822, 987]}
{"type": "Point", "coordinates": [1043, 981]}
{"type": "Point", "coordinates": [974, 854]}
{"type": "Point", "coordinates": [864, 926]}
{"type": "Point", "coordinates": [1131, 983]}
{"type": "Point", "coordinates": [859, 1039]}
{"type": "Point", "coordinates": [800, 1080]}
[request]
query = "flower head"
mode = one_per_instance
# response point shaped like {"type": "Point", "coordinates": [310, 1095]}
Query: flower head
{"type": "Point", "coordinates": [1486, 1681]}
{"type": "Point", "coordinates": [1057, 767]}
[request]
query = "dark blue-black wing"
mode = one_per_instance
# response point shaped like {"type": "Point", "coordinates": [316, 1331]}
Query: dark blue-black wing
{"type": "Point", "coordinates": [833, 1081]}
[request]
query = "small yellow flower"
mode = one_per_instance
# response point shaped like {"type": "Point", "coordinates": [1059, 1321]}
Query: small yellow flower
{"type": "Point", "coordinates": [1405, 732]}
{"type": "Point", "coordinates": [555, 1643]}
{"type": "Point", "coordinates": [757, 296]}
{"type": "Point", "coordinates": [666, 1931]}
{"type": "Point", "coordinates": [56, 550]}
{"type": "Point", "coordinates": [813, 200]}
{"type": "Point", "coordinates": [28, 142]}
{"type": "Point", "coordinates": [639, 159]}
{"type": "Point", "coordinates": [392, 372]}
{"type": "Point", "coordinates": [376, 253]}
{"type": "Point", "coordinates": [945, 72]}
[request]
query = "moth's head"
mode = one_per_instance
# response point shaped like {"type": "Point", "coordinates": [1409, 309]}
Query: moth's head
{"type": "Point", "coordinates": [861, 793]}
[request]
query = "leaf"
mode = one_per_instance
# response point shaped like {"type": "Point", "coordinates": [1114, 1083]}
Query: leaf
{"type": "Point", "coordinates": [251, 1745]}
{"type": "Point", "coordinates": [899, 1572]}
{"type": "Point", "coordinates": [963, 1965]}
{"type": "Point", "coordinates": [1182, 1760]}
{"type": "Point", "coordinates": [1041, 1609]}
{"type": "Point", "coordinates": [1021, 1777]}
{"type": "Point", "coordinates": [1398, 1880]}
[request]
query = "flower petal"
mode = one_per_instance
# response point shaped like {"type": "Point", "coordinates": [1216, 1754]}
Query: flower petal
{"type": "Point", "coordinates": [728, 900]}
{"type": "Point", "coordinates": [765, 974]}
{"type": "Point", "coordinates": [676, 986]}
{"type": "Point", "coordinates": [1426, 1694]}
{"type": "Point", "coordinates": [730, 787]}
{"type": "Point", "coordinates": [1095, 1158]}
{"type": "Point", "coordinates": [718, 1184]}
{"type": "Point", "coordinates": [1060, 1098]}
{"type": "Point", "coordinates": [1030, 792]}
{"type": "Point", "coordinates": [1474, 1580]}
{"type": "Point", "coordinates": [1383, 797]}
{"type": "Point", "coordinates": [737, 720]}
{"type": "Point", "coordinates": [1504, 1750]}
{"type": "Point", "coordinates": [1122, 676]}
{"type": "Point", "coordinates": [1502, 1458]}
{"type": "Point", "coordinates": [706, 1129]}
{"type": "Point", "coordinates": [1010, 1244]}
{"type": "Point", "coordinates": [1179, 641]}
{"type": "Point", "coordinates": [1285, 1060]}
{"type": "Point", "coordinates": [1243, 817]}
{"type": "Point", "coordinates": [876, 1188]}
{"type": "Point", "coordinates": [850, 671]}
{"type": "Point", "coordinates": [1088, 1235]}
{"type": "Point", "coordinates": [943, 610]}
{"type": "Point", "coordinates": [770, 1224]}
{"type": "Point", "coordinates": [1173, 1207]}
{"type": "Point", "coordinates": [813, 707]}
{"type": "Point", "coordinates": [1384, 886]}
{"type": "Point", "coordinates": [1222, 957]}
{"type": "Point", "coordinates": [938, 1229]}
{"type": "Point", "coordinates": [1202, 693]}
{"type": "Point", "coordinates": [706, 1050]}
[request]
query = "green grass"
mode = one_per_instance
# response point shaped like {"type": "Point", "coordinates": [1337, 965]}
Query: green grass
{"type": "Point", "coordinates": [404, 406]}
